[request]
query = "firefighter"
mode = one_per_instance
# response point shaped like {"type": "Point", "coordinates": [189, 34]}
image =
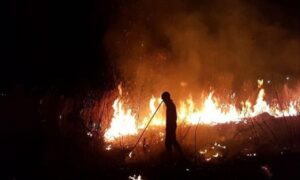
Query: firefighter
{"type": "Point", "coordinates": [171, 125]}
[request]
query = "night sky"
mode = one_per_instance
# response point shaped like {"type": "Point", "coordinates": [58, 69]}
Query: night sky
{"type": "Point", "coordinates": [61, 42]}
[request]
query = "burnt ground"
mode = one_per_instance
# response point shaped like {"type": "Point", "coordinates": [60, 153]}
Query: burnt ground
{"type": "Point", "coordinates": [64, 161]}
{"type": "Point", "coordinates": [35, 147]}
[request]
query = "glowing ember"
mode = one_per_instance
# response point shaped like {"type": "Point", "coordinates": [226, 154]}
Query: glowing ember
{"type": "Point", "coordinates": [203, 152]}
{"type": "Point", "coordinates": [135, 177]}
{"type": "Point", "coordinates": [208, 159]}
{"type": "Point", "coordinates": [108, 147]}
{"type": "Point", "coordinates": [219, 145]}
{"type": "Point", "coordinates": [216, 155]}
{"type": "Point", "coordinates": [260, 82]}
{"type": "Point", "coordinates": [251, 155]}
{"type": "Point", "coordinates": [130, 154]}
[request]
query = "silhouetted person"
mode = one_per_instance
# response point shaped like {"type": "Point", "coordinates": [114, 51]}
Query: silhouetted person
{"type": "Point", "coordinates": [171, 125]}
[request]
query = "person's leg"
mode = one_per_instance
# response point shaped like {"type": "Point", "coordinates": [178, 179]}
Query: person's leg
{"type": "Point", "coordinates": [175, 143]}
{"type": "Point", "coordinates": [168, 145]}
{"type": "Point", "coordinates": [178, 147]}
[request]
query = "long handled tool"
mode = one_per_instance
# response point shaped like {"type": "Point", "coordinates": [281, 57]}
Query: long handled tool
{"type": "Point", "coordinates": [146, 127]}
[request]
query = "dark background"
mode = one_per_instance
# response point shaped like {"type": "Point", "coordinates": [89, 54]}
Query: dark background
{"type": "Point", "coordinates": [61, 42]}
{"type": "Point", "coordinates": [55, 42]}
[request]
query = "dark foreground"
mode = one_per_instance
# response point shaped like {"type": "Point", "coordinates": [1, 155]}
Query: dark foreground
{"type": "Point", "coordinates": [34, 146]}
{"type": "Point", "coordinates": [69, 166]}
{"type": "Point", "coordinates": [68, 159]}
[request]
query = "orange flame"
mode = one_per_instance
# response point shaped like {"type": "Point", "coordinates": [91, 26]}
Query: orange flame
{"type": "Point", "coordinates": [210, 112]}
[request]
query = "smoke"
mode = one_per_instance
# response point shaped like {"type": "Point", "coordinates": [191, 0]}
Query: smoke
{"type": "Point", "coordinates": [188, 46]}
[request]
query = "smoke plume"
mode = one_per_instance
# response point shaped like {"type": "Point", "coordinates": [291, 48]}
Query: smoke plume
{"type": "Point", "coordinates": [188, 46]}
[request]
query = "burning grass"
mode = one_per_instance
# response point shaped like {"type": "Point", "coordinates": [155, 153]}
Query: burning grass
{"type": "Point", "coordinates": [209, 130]}
{"type": "Point", "coordinates": [208, 147]}
{"type": "Point", "coordinates": [127, 121]}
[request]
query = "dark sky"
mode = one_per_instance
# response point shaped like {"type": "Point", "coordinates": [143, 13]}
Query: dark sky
{"type": "Point", "coordinates": [50, 42]}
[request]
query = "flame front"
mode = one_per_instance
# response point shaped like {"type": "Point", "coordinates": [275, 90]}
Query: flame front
{"type": "Point", "coordinates": [123, 122]}
{"type": "Point", "coordinates": [209, 112]}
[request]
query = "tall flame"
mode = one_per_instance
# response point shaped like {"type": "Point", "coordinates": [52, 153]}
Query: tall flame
{"type": "Point", "coordinates": [209, 112]}
{"type": "Point", "coordinates": [123, 122]}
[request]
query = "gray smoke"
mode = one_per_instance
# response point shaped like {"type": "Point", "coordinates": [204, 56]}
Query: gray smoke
{"type": "Point", "coordinates": [187, 46]}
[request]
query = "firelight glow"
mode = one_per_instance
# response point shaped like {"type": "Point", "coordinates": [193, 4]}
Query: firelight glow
{"type": "Point", "coordinates": [209, 112]}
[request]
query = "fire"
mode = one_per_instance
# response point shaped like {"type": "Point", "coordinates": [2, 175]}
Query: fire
{"type": "Point", "coordinates": [158, 119]}
{"type": "Point", "coordinates": [209, 112]}
{"type": "Point", "coordinates": [123, 121]}
{"type": "Point", "coordinates": [213, 113]}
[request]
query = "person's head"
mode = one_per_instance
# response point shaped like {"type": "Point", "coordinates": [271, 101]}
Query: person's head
{"type": "Point", "coordinates": [165, 96]}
